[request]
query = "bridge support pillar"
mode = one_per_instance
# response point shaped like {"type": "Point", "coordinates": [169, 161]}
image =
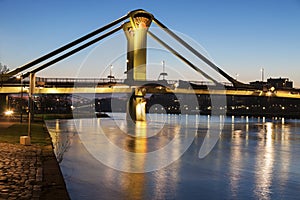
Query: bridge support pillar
{"type": "Point", "coordinates": [136, 106]}
{"type": "Point", "coordinates": [136, 33]}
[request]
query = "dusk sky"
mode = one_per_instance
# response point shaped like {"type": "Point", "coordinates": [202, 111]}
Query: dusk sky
{"type": "Point", "coordinates": [240, 36]}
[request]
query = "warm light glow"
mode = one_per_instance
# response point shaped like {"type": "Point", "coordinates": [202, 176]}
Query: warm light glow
{"type": "Point", "coordinates": [141, 130]}
{"type": "Point", "coordinates": [269, 93]}
{"type": "Point", "coordinates": [272, 89]}
{"type": "Point", "coordinates": [176, 84]}
{"type": "Point", "coordinates": [142, 22]}
{"type": "Point", "coordinates": [236, 159]}
{"type": "Point", "coordinates": [8, 113]}
{"type": "Point", "coordinates": [265, 163]}
{"type": "Point", "coordinates": [141, 111]}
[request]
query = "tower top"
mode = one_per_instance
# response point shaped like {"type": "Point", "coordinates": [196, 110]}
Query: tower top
{"type": "Point", "coordinates": [140, 18]}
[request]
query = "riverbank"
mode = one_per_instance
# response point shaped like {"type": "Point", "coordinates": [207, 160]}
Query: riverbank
{"type": "Point", "coordinates": [28, 172]}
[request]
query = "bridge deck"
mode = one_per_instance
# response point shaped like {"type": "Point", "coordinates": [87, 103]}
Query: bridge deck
{"type": "Point", "coordinates": [128, 89]}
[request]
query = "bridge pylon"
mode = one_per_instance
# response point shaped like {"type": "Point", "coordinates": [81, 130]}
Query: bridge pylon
{"type": "Point", "coordinates": [136, 33]}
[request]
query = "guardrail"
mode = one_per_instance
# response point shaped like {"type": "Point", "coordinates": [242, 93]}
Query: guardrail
{"type": "Point", "coordinates": [49, 82]}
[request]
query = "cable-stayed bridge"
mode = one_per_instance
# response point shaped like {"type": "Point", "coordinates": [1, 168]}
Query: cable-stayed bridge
{"type": "Point", "coordinates": [238, 94]}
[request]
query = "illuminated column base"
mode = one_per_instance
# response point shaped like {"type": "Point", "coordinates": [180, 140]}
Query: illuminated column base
{"type": "Point", "coordinates": [140, 109]}
{"type": "Point", "coordinates": [136, 108]}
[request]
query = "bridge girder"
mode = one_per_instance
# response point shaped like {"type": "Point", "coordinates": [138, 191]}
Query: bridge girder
{"type": "Point", "coordinates": [149, 89]}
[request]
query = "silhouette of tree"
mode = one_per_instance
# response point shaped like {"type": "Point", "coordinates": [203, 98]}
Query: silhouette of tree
{"type": "Point", "coordinates": [3, 68]}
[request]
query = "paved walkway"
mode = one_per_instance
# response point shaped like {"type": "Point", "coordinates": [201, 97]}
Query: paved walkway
{"type": "Point", "coordinates": [21, 171]}
{"type": "Point", "coordinates": [29, 172]}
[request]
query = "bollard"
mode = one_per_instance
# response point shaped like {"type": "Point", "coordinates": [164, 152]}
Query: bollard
{"type": "Point", "coordinates": [25, 140]}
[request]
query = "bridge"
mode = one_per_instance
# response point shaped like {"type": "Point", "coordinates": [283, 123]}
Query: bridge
{"type": "Point", "coordinates": [136, 31]}
{"type": "Point", "coordinates": [108, 85]}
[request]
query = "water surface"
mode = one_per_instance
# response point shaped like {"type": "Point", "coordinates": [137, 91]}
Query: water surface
{"type": "Point", "coordinates": [254, 158]}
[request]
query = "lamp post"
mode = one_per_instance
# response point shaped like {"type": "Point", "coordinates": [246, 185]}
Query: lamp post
{"type": "Point", "coordinates": [26, 140]}
{"type": "Point", "coordinates": [30, 101]}
{"type": "Point", "coordinates": [21, 96]}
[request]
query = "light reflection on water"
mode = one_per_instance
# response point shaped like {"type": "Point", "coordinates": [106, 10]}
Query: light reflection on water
{"type": "Point", "coordinates": [264, 162]}
{"type": "Point", "coordinates": [255, 158]}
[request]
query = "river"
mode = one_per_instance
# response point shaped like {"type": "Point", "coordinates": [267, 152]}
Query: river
{"type": "Point", "coordinates": [179, 157]}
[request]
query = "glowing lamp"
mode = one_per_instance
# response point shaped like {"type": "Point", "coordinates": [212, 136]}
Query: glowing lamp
{"type": "Point", "coordinates": [8, 113]}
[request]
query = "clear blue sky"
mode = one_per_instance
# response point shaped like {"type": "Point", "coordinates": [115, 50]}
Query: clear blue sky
{"type": "Point", "coordinates": [240, 36]}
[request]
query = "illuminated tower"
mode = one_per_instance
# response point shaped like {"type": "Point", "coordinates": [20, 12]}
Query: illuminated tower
{"type": "Point", "coordinates": [136, 34]}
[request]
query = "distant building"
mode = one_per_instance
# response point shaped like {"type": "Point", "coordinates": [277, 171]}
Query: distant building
{"type": "Point", "coordinates": [280, 83]}
{"type": "Point", "coordinates": [258, 84]}
{"type": "Point", "coordinates": [277, 83]}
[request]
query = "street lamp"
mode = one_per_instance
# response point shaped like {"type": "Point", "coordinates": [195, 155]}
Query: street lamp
{"type": "Point", "coordinates": [20, 77]}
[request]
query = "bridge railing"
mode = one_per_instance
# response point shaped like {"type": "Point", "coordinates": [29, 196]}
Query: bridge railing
{"type": "Point", "coordinates": [209, 83]}
{"type": "Point", "coordinates": [74, 81]}
{"type": "Point", "coordinates": [70, 82]}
